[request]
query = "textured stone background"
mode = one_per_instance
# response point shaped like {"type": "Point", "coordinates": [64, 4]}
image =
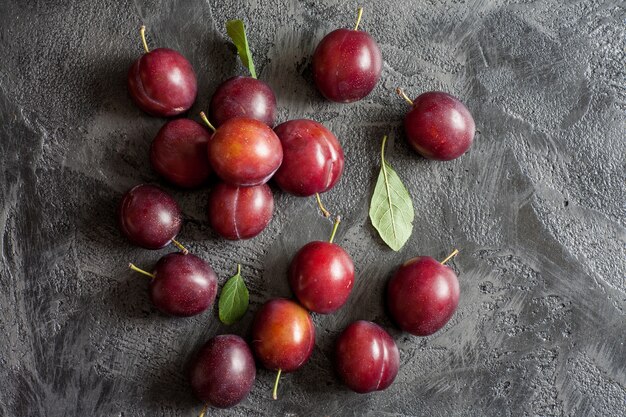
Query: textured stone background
{"type": "Point", "coordinates": [537, 206]}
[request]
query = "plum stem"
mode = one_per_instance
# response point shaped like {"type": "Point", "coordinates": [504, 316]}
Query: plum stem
{"type": "Point", "coordinates": [141, 271]}
{"type": "Point", "coordinates": [358, 18]}
{"type": "Point", "coordinates": [404, 96]}
{"type": "Point", "coordinates": [206, 121]}
{"type": "Point", "coordinates": [335, 226]}
{"type": "Point", "coordinates": [275, 390]}
{"type": "Point", "coordinates": [142, 32]}
{"type": "Point", "coordinates": [204, 410]}
{"type": "Point", "coordinates": [179, 245]}
{"type": "Point", "coordinates": [452, 255]}
{"type": "Point", "coordinates": [325, 212]}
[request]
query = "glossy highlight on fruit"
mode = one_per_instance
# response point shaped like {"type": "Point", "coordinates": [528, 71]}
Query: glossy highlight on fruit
{"type": "Point", "coordinates": [439, 126]}
{"type": "Point", "coordinates": [283, 335]}
{"type": "Point", "coordinates": [243, 97]}
{"type": "Point", "coordinates": [422, 295]}
{"type": "Point", "coordinates": [223, 372]}
{"type": "Point", "coordinates": [245, 152]}
{"type": "Point", "coordinates": [179, 153]}
{"type": "Point", "coordinates": [162, 82]}
{"type": "Point", "coordinates": [366, 357]}
{"type": "Point", "coordinates": [321, 276]}
{"type": "Point", "coordinates": [183, 285]}
{"type": "Point", "coordinates": [313, 159]}
{"type": "Point", "coordinates": [240, 212]}
{"type": "Point", "coordinates": [347, 65]}
{"type": "Point", "coordinates": [149, 217]}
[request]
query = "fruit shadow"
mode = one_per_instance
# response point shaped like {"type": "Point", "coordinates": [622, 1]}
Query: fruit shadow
{"type": "Point", "coordinates": [107, 250]}
{"type": "Point", "coordinates": [193, 203]}
{"type": "Point", "coordinates": [289, 72]}
{"type": "Point", "coordinates": [319, 379]}
{"type": "Point", "coordinates": [171, 388]}
{"type": "Point", "coordinates": [305, 69]}
{"type": "Point", "coordinates": [306, 224]}
{"type": "Point", "coordinates": [224, 65]}
{"type": "Point", "coordinates": [130, 296]}
{"type": "Point", "coordinates": [116, 135]}
{"type": "Point", "coordinates": [104, 78]}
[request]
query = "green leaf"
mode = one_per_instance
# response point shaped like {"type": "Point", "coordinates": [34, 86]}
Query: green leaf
{"type": "Point", "coordinates": [391, 208]}
{"type": "Point", "coordinates": [233, 299]}
{"type": "Point", "coordinates": [237, 32]}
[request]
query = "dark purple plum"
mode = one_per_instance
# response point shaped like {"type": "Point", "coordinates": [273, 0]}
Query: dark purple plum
{"type": "Point", "coordinates": [366, 357]}
{"type": "Point", "coordinates": [182, 284]}
{"type": "Point", "coordinates": [245, 152]}
{"type": "Point", "coordinates": [240, 212]}
{"type": "Point", "coordinates": [243, 97]}
{"type": "Point", "coordinates": [149, 217]}
{"type": "Point", "coordinates": [347, 65]}
{"type": "Point", "coordinates": [223, 372]}
{"type": "Point", "coordinates": [312, 158]}
{"type": "Point", "coordinates": [439, 126]}
{"type": "Point", "coordinates": [162, 82]}
{"type": "Point", "coordinates": [179, 153]}
{"type": "Point", "coordinates": [422, 295]}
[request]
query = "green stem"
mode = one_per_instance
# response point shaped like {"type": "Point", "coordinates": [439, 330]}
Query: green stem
{"type": "Point", "coordinates": [404, 96]}
{"type": "Point", "coordinates": [183, 249]}
{"type": "Point", "coordinates": [335, 226]}
{"type": "Point", "coordinates": [452, 255]}
{"type": "Point", "coordinates": [206, 121]}
{"type": "Point", "coordinates": [382, 151]}
{"type": "Point", "coordinates": [141, 271]}
{"type": "Point", "coordinates": [238, 269]}
{"type": "Point", "coordinates": [142, 32]}
{"type": "Point", "coordinates": [275, 390]}
{"type": "Point", "coordinates": [358, 18]}
{"type": "Point", "coordinates": [325, 212]}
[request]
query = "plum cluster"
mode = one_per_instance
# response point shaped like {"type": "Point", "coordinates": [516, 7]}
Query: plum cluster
{"type": "Point", "coordinates": [239, 144]}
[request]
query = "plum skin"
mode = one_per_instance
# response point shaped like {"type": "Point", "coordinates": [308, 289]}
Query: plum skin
{"type": "Point", "coordinates": [179, 153]}
{"type": "Point", "coordinates": [243, 97]}
{"type": "Point", "coordinates": [283, 335]}
{"type": "Point", "coordinates": [223, 372]}
{"type": "Point", "coordinates": [183, 285]}
{"type": "Point", "coordinates": [366, 357]}
{"type": "Point", "coordinates": [439, 126]}
{"type": "Point", "coordinates": [149, 217]}
{"type": "Point", "coordinates": [347, 65]}
{"type": "Point", "coordinates": [313, 159]}
{"type": "Point", "coordinates": [321, 275]}
{"type": "Point", "coordinates": [162, 83]}
{"type": "Point", "coordinates": [245, 152]}
{"type": "Point", "coordinates": [422, 295]}
{"type": "Point", "coordinates": [240, 212]}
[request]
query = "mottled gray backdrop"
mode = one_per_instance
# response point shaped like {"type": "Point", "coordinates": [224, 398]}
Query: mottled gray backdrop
{"type": "Point", "coordinates": [537, 206]}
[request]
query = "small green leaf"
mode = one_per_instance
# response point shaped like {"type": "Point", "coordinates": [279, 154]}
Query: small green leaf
{"type": "Point", "coordinates": [237, 32]}
{"type": "Point", "coordinates": [391, 208]}
{"type": "Point", "coordinates": [233, 299]}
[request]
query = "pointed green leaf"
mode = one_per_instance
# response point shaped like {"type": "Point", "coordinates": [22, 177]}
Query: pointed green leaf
{"type": "Point", "coordinates": [237, 32]}
{"type": "Point", "coordinates": [234, 299]}
{"type": "Point", "coordinates": [391, 208]}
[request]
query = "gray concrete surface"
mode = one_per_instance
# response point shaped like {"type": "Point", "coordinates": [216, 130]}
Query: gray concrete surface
{"type": "Point", "coordinates": [537, 207]}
